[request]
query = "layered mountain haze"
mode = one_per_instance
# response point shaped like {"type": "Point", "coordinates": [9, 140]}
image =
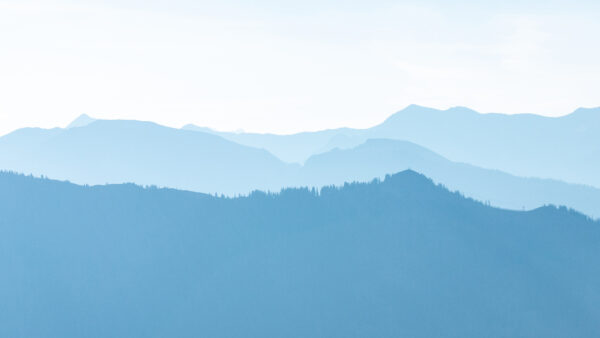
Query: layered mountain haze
{"type": "Point", "coordinates": [255, 169]}
{"type": "Point", "coordinates": [115, 151]}
{"type": "Point", "coordinates": [377, 157]}
{"type": "Point", "coordinates": [294, 148]}
{"type": "Point", "coordinates": [565, 148]}
{"type": "Point", "coordinates": [401, 257]}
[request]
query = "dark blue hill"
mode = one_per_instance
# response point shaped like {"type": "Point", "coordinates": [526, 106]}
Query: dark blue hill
{"type": "Point", "coordinates": [401, 257]}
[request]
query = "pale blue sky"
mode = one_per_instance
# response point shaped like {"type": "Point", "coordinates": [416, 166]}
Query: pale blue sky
{"type": "Point", "coordinates": [288, 66]}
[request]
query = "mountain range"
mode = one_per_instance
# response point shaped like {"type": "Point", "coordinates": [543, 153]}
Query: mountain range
{"type": "Point", "coordinates": [142, 152]}
{"type": "Point", "coordinates": [377, 157]}
{"type": "Point", "coordinates": [393, 258]}
{"type": "Point", "coordinates": [565, 148]}
{"type": "Point", "coordinates": [93, 152]}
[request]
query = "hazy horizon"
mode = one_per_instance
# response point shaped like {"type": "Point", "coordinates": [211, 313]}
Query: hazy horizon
{"type": "Point", "coordinates": [390, 168]}
{"type": "Point", "coordinates": [243, 130]}
{"type": "Point", "coordinates": [285, 68]}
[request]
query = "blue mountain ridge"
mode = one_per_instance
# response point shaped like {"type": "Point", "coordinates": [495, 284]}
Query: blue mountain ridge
{"type": "Point", "coordinates": [399, 257]}
{"type": "Point", "coordinates": [565, 148]}
{"type": "Point", "coordinates": [145, 153]}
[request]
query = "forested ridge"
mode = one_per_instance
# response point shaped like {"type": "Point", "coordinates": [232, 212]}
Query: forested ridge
{"type": "Point", "coordinates": [398, 257]}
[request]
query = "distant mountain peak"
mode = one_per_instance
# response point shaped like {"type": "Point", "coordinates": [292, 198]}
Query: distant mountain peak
{"type": "Point", "coordinates": [586, 112]}
{"type": "Point", "coordinates": [81, 121]}
{"type": "Point", "coordinates": [411, 111]}
{"type": "Point", "coordinates": [194, 127]}
{"type": "Point", "coordinates": [462, 109]}
{"type": "Point", "coordinates": [415, 108]}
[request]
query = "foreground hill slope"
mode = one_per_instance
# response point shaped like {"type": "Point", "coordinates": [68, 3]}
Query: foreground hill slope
{"type": "Point", "coordinates": [402, 257]}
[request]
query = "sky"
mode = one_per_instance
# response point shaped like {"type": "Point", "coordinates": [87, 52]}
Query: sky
{"type": "Point", "coordinates": [283, 67]}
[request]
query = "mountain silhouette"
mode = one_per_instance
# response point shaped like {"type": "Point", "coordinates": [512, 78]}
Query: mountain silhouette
{"type": "Point", "coordinates": [145, 153]}
{"type": "Point", "coordinates": [565, 148]}
{"type": "Point", "coordinates": [81, 121]}
{"type": "Point", "coordinates": [393, 258]}
{"type": "Point", "coordinates": [378, 157]}
{"type": "Point", "coordinates": [295, 148]}
{"type": "Point", "coordinates": [117, 151]}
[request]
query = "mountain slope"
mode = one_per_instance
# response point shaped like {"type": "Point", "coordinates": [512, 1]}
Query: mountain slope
{"type": "Point", "coordinates": [295, 148]}
{"type": "Point", "coordinates": [378, 157]}
{"type": "Point", "coordinates": [565, 148]}
{"type": "Point", "coordinates": [142, 152]}
{"type": "Point", "coordinates": [145, 153]}
{"type": "Point", "coordinates": [395, 258]}
{"type": "Point", "coordinates": [82, 121]}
